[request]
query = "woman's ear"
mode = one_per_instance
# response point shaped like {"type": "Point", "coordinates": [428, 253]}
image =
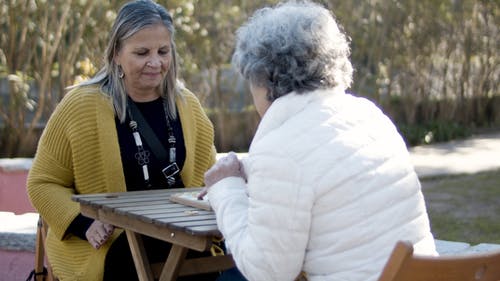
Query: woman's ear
{"type": "Point", "coordinates": [116, 59]}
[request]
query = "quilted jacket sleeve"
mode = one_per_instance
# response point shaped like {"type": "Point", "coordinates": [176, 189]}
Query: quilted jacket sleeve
{"type": "Point", "coordinates": [267, 230]}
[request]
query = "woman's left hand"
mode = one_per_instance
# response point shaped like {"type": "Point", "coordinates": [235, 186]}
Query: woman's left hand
{"type": "Point", "coordinates": [227, 166]}
{"type": "Point", "coordinates": [98, 233]}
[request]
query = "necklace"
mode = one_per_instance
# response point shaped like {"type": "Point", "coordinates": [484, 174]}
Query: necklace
{"type": "Point", "coordinates": [142, 155]}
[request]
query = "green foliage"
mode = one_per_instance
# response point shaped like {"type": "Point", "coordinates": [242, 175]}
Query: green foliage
{"type": "Point", "coordinates": [418, 51]}
{"type": "Point", "coordinates": [437, 131]}
{"type": "Point", "coordinates": [44, 40]}
{"type": "Point", "coordinates": [407, 55]}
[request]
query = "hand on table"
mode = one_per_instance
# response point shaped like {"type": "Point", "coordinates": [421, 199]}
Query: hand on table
{"type": "Point", "coordinates": [227, 166]}
{"type": "Point", "coordinates": [98, 233]}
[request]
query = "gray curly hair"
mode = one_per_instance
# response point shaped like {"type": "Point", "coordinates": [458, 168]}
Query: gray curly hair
{"type": "Point", "coordinates": [294, 46]}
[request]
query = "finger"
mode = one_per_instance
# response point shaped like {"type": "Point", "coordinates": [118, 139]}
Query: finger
{"type": "Point", "coordinates": [89, 234]}
{"type": "Point", "coordinates": [202, 193]}
{"type": "Point", "coordinates": [226, 162]}
{"type": "Point", "coordinates": [100, 234]}
{"type": "Point", "coordinates": [109, 228]}
{"type": "Point", "coordinates": [94, 243]}
{"type": "Point", "coordinates": [221, 162]}
{"type": "Point", "coordinates": [228, 157]}
{"type": "Point", "coordinates": [231, 155]}
{"type": "Point", "coordinates": [105, 230]}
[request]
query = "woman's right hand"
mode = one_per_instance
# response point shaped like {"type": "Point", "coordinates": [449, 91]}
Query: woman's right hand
{"type": "Point", "coordinates": [227, 166]}
{"type": "Point", "coordinates": [98, 233]}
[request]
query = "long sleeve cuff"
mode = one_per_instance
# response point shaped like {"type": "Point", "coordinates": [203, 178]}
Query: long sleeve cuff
{"type": "Point", "coordinates": [79, 226]}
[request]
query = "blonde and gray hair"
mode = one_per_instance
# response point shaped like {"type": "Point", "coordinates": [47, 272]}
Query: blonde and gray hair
{"type": "Point", "coordinates": [133, 17]}
{"type": "Point", "coordinates": [295, 46]}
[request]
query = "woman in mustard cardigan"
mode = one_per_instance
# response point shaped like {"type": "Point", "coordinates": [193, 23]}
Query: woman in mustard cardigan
{"type": "Point", "coordinates": [94, 143]}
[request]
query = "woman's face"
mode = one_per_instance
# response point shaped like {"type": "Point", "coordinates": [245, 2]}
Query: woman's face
{"type": "Point", "coordinates": [145, 59]}
{"type": "Point", "coordinates": [259, 95]}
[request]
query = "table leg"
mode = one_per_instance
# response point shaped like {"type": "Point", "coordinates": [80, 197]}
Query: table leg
{"type": "Point", "coordinates": [174, 262]}
{"type": "Point", "coordinates": [139, 254]}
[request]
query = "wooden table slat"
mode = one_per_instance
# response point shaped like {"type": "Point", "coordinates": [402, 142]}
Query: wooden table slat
{"type": "Point", "coordinates": [94, 196]}
{"type": "Point", "coordinates": [128, 200]}
{"type": "Point", "coordinates": [174, 213]}
{"type": "Point", "coordinates": [152, 207]}
{"type": "Point", "coordinates": [136, 205]}
{"type": "Point", "coordinates": [193, 226]}
{"type": "Point", "coordinates": [166, 215]}
{"type": "Point", "coordinates": [169, 212]}
{"type": "Point", "coordinates": [195, 223]}
{"type": "Point", "coordinates": [148, 193]}
{"type": "Point", "coordinates": [158, 210]}
{"type": "Point", "coordinates": [203, 229]}
{"type": "Point", "coordinates": [168, 220]}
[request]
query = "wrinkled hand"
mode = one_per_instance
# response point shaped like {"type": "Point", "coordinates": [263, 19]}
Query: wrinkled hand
{"type": "Point", "coordinates": [227, 166]}
{"type": "Point", "coordinates": [98, 233]}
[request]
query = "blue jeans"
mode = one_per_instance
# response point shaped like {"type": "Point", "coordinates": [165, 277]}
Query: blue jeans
{"type": "Point", "coordinates": [232, 274]}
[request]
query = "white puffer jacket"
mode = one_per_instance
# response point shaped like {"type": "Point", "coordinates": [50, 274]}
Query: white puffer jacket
{"type": "Point", "coordinates": [330, 190]}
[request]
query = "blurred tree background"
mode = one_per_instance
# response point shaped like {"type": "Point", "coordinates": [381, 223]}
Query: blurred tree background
{"type": "Point", "coordinates": [432, 65]}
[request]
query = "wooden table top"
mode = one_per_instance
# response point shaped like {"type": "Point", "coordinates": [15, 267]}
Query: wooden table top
{"type": "Point", "coordinates": [138, 210]}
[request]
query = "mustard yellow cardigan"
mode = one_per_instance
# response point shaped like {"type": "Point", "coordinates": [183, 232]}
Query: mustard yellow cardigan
{"type": "Point", "coordinates": [78, 153]}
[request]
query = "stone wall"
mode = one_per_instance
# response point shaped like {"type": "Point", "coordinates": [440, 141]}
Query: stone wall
{"type": "Point", "coordinates": [13, 175]}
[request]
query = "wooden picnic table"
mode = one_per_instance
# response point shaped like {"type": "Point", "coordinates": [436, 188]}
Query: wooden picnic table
{"type": "Point", "coordinates": [151, 213]}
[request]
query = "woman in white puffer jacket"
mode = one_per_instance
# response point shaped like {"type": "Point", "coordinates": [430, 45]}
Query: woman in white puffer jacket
{"type": "Point", "coordinates": [327, 188]}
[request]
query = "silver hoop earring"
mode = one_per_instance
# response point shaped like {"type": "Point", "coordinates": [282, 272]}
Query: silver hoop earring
{"type": "Point", "coordinates": [120, 72]}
